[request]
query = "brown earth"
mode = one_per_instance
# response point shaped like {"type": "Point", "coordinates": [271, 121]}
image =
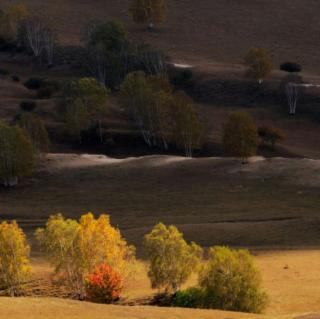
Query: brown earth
{"type": "Point", "coordinates": [207, 33]}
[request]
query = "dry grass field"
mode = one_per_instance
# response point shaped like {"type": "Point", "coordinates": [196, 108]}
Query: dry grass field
{"type": "Point", "coordinates": [223, 31]}
{"type": "Point", "coordinates": [54, 308]}
{"type": "Point", "coordinates": [291, 279]}
{"type": "Point", "coordinates": [268, 203]}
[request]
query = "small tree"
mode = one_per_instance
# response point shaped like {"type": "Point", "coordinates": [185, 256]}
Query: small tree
{"type": "Point", "coordinates": [34, 126]}
{"type": "Point", "coordinates": [107, 45]}
{"type": "Point", "coordinates": [259, 64]}
{"type": "Point", "coordinates": [172, 259]}
{"type": "Point", "coordinates": [147, 102]}
{"type": "Point", "coordinates": [10, 20]}
{"type": "Point", "coordinates": [270, 135]}
{"type": "Point", "coordinates": [291, 89]}
{"type": "Point", "coordinates": [104, 285]}
{"type": "Point", "coordinates": [231, 281]}
{"type": "Point", "coordinates": [38, 37]}
{"type": "Point", "coordinates": [14, 258]}
{"type": "Point", "coordinates": [16, 154]}
{"type": "Point", "coordinates": [186, 127]}
{"type": "Point", "coordinates": [77, 248]}
{"type": "Point", "coordinates": [151, 59]}
{"type": "Point", "coordinates": [150, 12]}
{"type": "Point", "coordinates": [240, 135]}
{"type": "Point", "coordinates": [83, 103]}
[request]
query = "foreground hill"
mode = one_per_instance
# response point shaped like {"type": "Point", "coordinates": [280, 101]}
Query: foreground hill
{"type": "Point", "coordinates": [31, 308]}
{"type": "Point", "coordinates": [206, 31]}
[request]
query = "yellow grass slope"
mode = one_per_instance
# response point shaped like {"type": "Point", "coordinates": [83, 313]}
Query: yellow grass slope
{"type": "Point", "coordinates": [50, 308]}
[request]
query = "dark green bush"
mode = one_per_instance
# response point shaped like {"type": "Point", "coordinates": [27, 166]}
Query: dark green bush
{"type": "Point", "coordinates": [28, 106]}
{"type": "Point", "coordinates": [45, 92]}
{"type": "Point", "coordinates": [4, 72]}
{"type": "Point", "coordinates": [270, 135]}
{"type": "Point", "coordinates": [35, 83]}
{"type": "Point", "coordinates": [183, 79]}
{"type": "Point", "coordinates": [15, 78]}
{"type": "Point", "coordinates": [290, 67]}
{"type": "Point", "coordinates": [189, 298]}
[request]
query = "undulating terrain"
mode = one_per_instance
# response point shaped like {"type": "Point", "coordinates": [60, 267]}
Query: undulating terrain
{"type": "Point", "coordinates": [270, 205]}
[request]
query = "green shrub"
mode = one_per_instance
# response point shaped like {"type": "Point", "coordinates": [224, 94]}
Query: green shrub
{"type": "Point", "coordinates": [231, 281]}
{"type": "Point", "coordinates": [184, 79]}
{"type": "Point", "coordinates": [35, 83]}
{"type": "Point", "coordinates": [4, 72]}
{"type": "Point", "coordinates": [189, 298]}
{"type": "Point", "coordinates": [290, 67]}
{"type": "Point", "coordinates": [45, 92]}
{"type": "Point", "coordinates": [28, 106]}
{"type": "Point", "coordinates": [240, 135]}
{"type": "Point", "coordinates": [15, 78]}
{"type": "Point", "coordinates": [270, 135]}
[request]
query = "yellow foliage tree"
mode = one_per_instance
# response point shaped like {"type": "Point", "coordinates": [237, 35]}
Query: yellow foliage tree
{"type": "Point", "coordinates": [14, 258]}
{"type": "Point", "coordinates": [172, 259]}
{"type": "Point", "coordinates": [259, 64]}
{"type": "Point", "coordinates": [10, 20]}
{"type": "Point", "coordinates": [77, 248]}
{"type": "Point", "coordinates": [240, 135]}
{"type": "Point", "coordinates": [231, 281]}
{"type": "Point", "coordinates": [151, 12]}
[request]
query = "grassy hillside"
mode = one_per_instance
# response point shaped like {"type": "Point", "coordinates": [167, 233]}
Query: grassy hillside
{"type": "Point", "coordinates": [290, 277]}
{"type": "Point", "coordinates": [206, 32]}
{"type": "Point", "coordinates": [55, 308]}
{"type": "Point", "coordinates": [273, 203]}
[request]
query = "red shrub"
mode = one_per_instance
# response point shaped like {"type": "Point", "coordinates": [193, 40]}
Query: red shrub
{"type": "Point", "coordinates": [104, 285]}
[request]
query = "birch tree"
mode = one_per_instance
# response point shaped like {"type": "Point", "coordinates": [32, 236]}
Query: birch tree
{"type": "Point", "coordinates": [186, 127]}
{"type": "Point", "coordinates": [14, 258]}
{"type": "Point", "coordinates": [146, 101]}
{"type": "Point", "coordinates": [172, 259]}
{"type": "Point", "coordinates": [76, 248]}
{"type": "Point", "coordinates": [16, 154]}
{"type": "Point", "coordinates": [38, 37]}
{"type": "Point", "coordinates": [259, 64]}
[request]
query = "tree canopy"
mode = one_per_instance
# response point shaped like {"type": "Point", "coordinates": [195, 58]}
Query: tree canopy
{"type": "Point", "coordinates": [16, 154]}
{"type": "Point", "coordinates": [172, 259]}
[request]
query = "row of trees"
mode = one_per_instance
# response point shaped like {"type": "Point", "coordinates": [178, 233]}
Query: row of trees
{"type": "Point", "coordinates": [27, 31]}
{"type": "Point", "coordinates": [92, 259]}
{"type": "Point", "coordinates": [163, 116]}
